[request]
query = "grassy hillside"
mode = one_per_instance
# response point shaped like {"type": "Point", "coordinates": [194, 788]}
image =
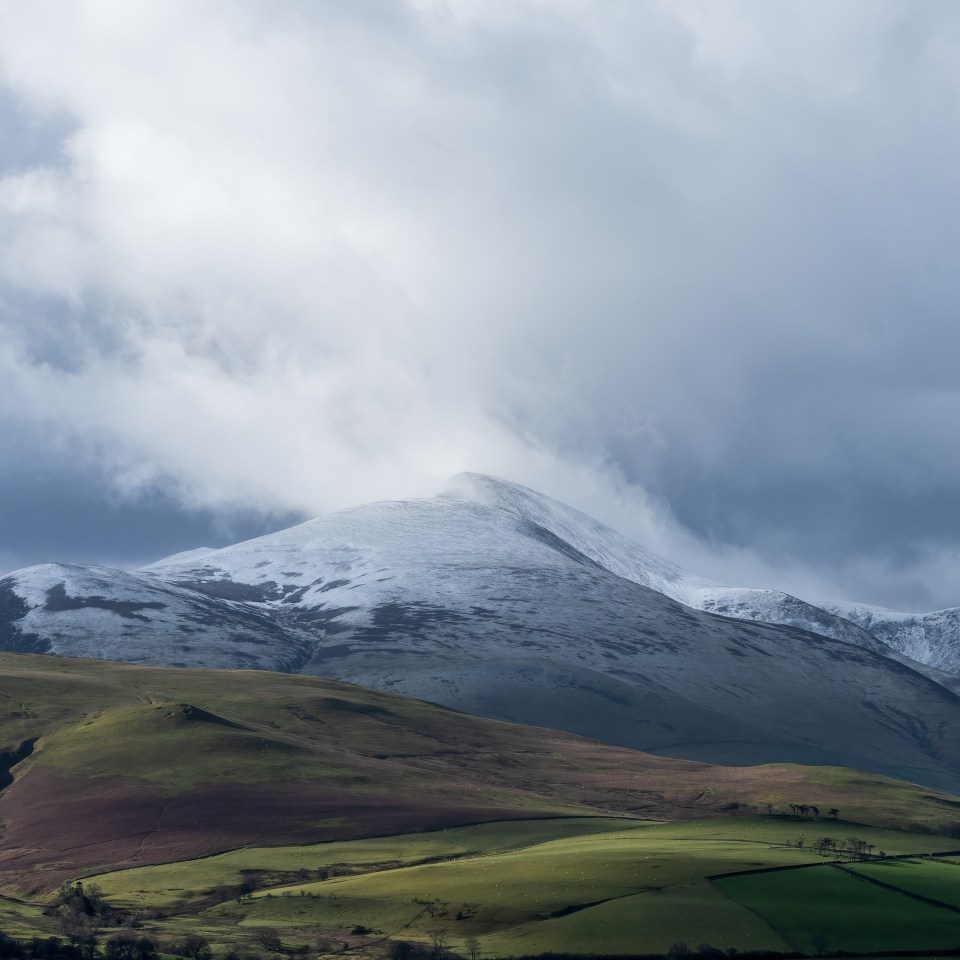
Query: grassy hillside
{"type": "Point", "coordinates": [255, 809]}
{"type": "Point", "coordinates": [124, 766]}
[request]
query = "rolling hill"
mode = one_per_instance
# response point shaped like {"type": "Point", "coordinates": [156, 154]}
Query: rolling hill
{"type": "Point", "coordinates": [110, 766]}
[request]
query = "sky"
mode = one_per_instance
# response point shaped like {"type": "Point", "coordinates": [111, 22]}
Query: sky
{"type": "Point", "coordinates": [688, 266]}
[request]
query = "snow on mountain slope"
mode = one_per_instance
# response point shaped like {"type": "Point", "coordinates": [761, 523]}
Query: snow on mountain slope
{"type": "Point", "coordinates": [112, 614]}
{"type": "Point", "coordinates": [929, 643]}
{"type": "Point", "coordinates": [485, 514]}
{"type": "Point", "coordinates": [508, 605]}
{"type": "Point", "coordinates": [197, 553]}
{"type": "Point", "coordinates": [930, 638]}
{"type": "Point", "coordinates": [629, 560]}
{"type": "Point", "coordinates": [602, 544]}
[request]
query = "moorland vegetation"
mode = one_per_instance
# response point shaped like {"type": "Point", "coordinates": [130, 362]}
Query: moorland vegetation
{"type": "Point", "coordinates": [242, 815]}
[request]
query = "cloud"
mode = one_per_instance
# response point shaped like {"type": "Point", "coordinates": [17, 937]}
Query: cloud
{"type": "Point", "coordinates": [689, 267]}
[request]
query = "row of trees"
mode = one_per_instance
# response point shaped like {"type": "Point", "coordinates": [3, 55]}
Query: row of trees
{"type": "Point", "coordinates": [811, 810]}
{"type": "Point", "coordinates": [119, 947]}
{"type": "Point", "coordinates": [852, 847]}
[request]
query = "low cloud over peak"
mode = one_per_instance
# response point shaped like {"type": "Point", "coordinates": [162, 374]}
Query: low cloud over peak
{"type": "Point", "coordinates": [689, 268]}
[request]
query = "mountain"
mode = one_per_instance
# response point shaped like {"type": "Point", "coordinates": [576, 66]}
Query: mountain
{"type": "Point", "coordinates": [82, 611]}
{"type": "Point", "coordinates": [503, 603]}
{"type": "Point", "coordinates": [929, 643]}
{"type": "Point", "coordinates": [629, 560]}
{"type": "Point", "coordinates": [929, 638]}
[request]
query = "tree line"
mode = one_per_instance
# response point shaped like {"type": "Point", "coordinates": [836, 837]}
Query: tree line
{"type": "Point", "coordinates": [808, 810]}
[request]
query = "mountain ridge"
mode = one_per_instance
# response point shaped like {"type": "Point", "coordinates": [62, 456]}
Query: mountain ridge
{"type": "Point", "coordinates": [840, 621]}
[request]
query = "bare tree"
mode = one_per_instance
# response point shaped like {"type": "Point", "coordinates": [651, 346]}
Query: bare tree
{"type": "Point", "coordinates": [269, 939]}
{"type": "Point", "coordinates": [854, 848]}
{"type": "Point", "coordinates": [819, 941]}
{"type": "Point", "coordinates": [438, 937]}
{"type": "Point", "coordinates": [473, 948]}
{"type": "Point", "coordinates": [193, 946]}
{"type": "Point", "coordinates": [823, 846]}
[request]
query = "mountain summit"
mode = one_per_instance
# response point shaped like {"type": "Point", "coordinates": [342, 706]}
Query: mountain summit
{"type": "Point", "coordinates": [501, 602]}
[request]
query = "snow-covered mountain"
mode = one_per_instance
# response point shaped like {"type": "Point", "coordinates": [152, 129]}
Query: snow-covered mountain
{"type": "Point", "coordinates": [629, 560]}
{"type": "Point", "coordinates": [930, 638]}
{"type": "Point", "coordinates": [926, 642]}
{"type": "Point", "coordinates": [502, 602]}
{"type": "Point", "coordinates": [111, 614]}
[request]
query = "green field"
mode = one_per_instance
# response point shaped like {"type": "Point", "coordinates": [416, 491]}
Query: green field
{"type": "Point", "coordinates": [823, 907]}
{"type": "Point", "coordinates": [24, 920]}
{"type": "Point", "coordinates": [601, 885]}
{"type": "Point", "coordinates": [691, 912]}
{"type": "Point", "coordinates": [166, 884]}
{"type": "Point", "coordinates": [935, 879]}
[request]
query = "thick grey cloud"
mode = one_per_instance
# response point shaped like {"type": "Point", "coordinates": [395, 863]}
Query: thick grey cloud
{"type": "Point", "coordinates": [66, 516]}
{"type": "Point", "coordinates": [688, 266]}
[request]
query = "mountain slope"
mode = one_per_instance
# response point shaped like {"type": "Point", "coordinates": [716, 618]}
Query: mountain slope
{"type": "Point", "coordinates": [516, 611]}
{"type": "Point", "coordinates": [929, 643]}
{"type": "Point", "coordinates": [629, 560]}
{"type": "Point", "coordinates": [930, 638]}
{"type": "Point", "coordinates": [82, 611]}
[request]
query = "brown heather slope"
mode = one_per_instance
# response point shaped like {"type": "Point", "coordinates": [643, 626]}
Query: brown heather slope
{"type": "Point", "coordinates": [132, 765]}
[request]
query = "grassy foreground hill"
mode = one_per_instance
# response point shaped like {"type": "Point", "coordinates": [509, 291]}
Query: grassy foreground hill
{"type": "Point", "coordinates": [591, 885]}
{"type": "Point", "coordinates": [309, 800]}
